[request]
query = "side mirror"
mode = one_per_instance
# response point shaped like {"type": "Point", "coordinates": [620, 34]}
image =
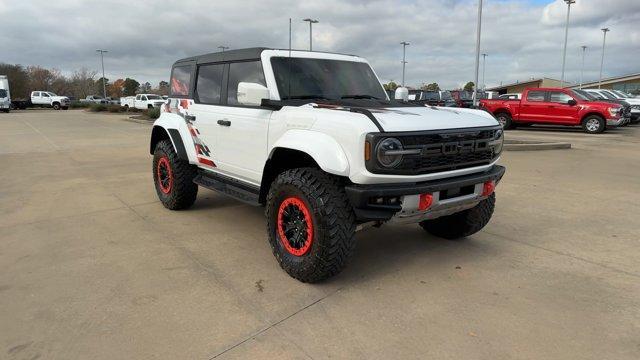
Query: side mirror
{"type": "Point", "coordinates": [572, 102]}
{"type": "Point", "coordinates": [402, 94]}
{"type": "Point", "coordinates": [252, 93]}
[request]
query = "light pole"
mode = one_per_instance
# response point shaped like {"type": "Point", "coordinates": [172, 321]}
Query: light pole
{"type": "Point", "coordinates": [311, 22]}
{"type": "Point", "coordinates": [404, 62]}
{"type": "Point", "coordinates": [584, 49]}
{"type": "Point", "coordinates": [104, 82]}
{"type": "Point", "coordinates": [604, 40]}
{"type": "Point", "coordinates": [223, 47]}
{"type": "Point", "coordinates": [566, 35]}
{"type": "Point", "coordinates": [484, 63]}
{"type": "Point", "coordinates": [479, 29]}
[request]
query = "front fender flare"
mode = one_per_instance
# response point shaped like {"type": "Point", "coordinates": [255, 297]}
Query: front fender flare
{"type": "Point", "coordinates": [324, 149]}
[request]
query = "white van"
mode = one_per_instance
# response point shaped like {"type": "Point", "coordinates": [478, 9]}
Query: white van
{"type": "Point", "coordinates": [5, 95]}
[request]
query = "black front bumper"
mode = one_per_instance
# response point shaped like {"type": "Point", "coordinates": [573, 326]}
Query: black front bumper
{"type": "Point", "coordinates": [360, 195]}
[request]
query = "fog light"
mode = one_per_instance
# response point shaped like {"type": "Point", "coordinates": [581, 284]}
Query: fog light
{"type": "Point", "coordinates": [488, 188]}
{"type": "Point", "coordinates": [425, 202]}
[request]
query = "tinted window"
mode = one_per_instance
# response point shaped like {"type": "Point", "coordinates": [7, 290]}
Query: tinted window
{"type": "Point", "coordinates": [209, 83]}
{"type": "Point", "coordinates": [3, 93]}
{"type": "Point", "coordinates": [180, 80]}
{"type": "Point", "coordinates": [559, 97]}
{"type": "Point", "coordinates": [535, 96]}
{"type": "Point", "coordinates": [249, 71]}
{"type": "Point", "coordinates": [430, 95]}
{"type": "Point", "coordinates": [299, 78]}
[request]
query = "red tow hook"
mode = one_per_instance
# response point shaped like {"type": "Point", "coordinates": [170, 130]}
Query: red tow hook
{"type": "Point", "coordinates": [425, 202]}
{"type": "Point", "coordinates": [488, 188]}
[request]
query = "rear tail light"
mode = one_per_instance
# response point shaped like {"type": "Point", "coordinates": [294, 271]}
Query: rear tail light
{"type": "Point", "coordinates": [488, 188]}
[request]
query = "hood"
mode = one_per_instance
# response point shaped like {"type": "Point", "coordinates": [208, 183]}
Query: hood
{"type": "Point", "coordinates": [431, 118]}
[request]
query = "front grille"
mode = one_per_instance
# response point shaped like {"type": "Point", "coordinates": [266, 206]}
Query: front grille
{"type": "Point", "coordinates": [440, 151]}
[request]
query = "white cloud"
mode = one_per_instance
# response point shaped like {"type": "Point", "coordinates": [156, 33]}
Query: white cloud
{"type": "Point", "coordinates": [145, 37]}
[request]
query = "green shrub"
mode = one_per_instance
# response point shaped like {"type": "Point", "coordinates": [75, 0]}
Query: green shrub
{"type": "Point", "coordinates": [97, 107]}
{"type": "Point", "coordinates": [114, 108]}
{"type": "Point", "coordinates": [78, 105]}
{"type": "Point", "coordinates": [153, 113]}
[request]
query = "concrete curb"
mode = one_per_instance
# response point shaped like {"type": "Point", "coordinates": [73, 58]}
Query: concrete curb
{"type": "Point", "coordinates": [139, 121]}
{"type": "Point", "coordinates": [533, 145]}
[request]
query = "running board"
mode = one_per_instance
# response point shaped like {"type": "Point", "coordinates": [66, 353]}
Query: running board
{"type": "Point", "coordinates": [231, 187]}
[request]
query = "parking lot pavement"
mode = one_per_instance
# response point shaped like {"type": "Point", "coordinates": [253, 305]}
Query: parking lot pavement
{"type": "Point", "coordinates": [92, 265]}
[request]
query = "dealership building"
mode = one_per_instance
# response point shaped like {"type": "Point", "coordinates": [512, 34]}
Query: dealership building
{"type": "Point", "coordinates": [627, 83]}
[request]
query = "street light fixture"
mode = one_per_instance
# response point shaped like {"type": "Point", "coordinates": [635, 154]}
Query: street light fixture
{"type": "Point", "coordinates": [104, 83]}
{"type": "Point", "coordinates": [223, 47]}
{"type": "Point", "coordinates": [604, 40]}
{"type": "Point", "coordinates": [311, 22]}
{"type": "Point", "coordinates": [584, 49]}
{"type": "Point", "coordinates": [404, 62]}
{"type": "Point", "coordinates": [484, 63]}
{"type": "Point", "coordinates": [566, 35]}
{"type": "Point", "coordinates": [478, 31]}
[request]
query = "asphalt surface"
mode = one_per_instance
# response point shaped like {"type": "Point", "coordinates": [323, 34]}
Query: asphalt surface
{"type": "Point", "coordinates": [92, 266]}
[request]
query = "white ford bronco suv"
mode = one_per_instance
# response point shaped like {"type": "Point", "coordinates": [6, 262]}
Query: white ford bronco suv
{"type": "Point", "coordinates": [314, 138]}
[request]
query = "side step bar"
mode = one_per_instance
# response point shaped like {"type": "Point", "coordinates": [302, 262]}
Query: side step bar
{"type": "Point", "coordinates": [234, 188]}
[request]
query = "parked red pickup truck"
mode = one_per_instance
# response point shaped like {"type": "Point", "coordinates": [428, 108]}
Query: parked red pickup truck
{"type": "Point", "coordinates": [555, 106]}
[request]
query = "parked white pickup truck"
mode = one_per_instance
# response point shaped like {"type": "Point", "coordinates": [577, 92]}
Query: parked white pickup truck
{"type": "Point", "coordinates": [96, 99]}
{"type": "Point", "coordinates": [49, 99]}
{"type": "Point", "coordinates": [5, 95]}
{"type": "Point", "coordinates": [142, 101]}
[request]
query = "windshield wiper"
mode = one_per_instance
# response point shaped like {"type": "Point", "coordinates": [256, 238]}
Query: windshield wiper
{"type": "Point", "coordinates": [359, 97]}
{"type": "Point", "coordinates": [306, 97]}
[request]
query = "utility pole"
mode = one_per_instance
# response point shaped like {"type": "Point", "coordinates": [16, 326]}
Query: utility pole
{"type": "Point", "coordinates": [404, 62]}
{"type": "Point", "coordinates": [223, 47]}
{"type": "Point", "coordinates": [311, 22]}
{"type": "Point", "coordinates": [566, 35]}
{"type": "Point", "coordinates": [479, 29]}
{"type": "Point", "coordinates": [104, 82]}
{"type": "Point", "coordinates": [484, 63]}
{"type": "Point", "coordinates": [584, 49]}
{"type": "Point", "coordinates": [604, 40]}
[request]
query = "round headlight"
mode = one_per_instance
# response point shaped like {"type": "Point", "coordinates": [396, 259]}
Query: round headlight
{"type": "Point", "coordinates": [384, 152]}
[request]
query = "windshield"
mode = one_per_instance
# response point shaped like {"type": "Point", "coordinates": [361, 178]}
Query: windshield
{"type": "Point", "coordinates": [620, 93]}
{"type": "Point", "coordinates": [154, 97]}
{"type": "Point", "coordinates": [606, 95]}
{"type": "Point", "coordinates": [299, 78]}
{"type": "Point", "coordinates": [446, 95]}
{"type": "Point", "coordinates": [583, 95]}
{"type": "Point", "coordinates": [465, 95]}
{"type": "Point", "coordinates": [51, 94]}
{"type": "Point", "coordinates": [430, 95]}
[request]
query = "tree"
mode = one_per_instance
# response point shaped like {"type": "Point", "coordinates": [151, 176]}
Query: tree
{"type": "Point", "coordinates": [41, 78]}
{"type": "Point", "coordinates": [98, 88]}
{"type": "Point", "coordinates": [18, 79]}
{"type": "Point", "coordinates": [469, 86]}
{"type": "Point", "coordinates": [82, 83]}
{"type": "Point", "coordinates": [390, 86]}
{"type": "Point", "coordinates": [430, 87]}
{"type": "Point", "coordinates": [116, 90]}
{"type": "Point", "coordinates": [163, 88]}
{"type": "Point", "coordinates": [130, 87]}
{"type": "Point", "coordinates": [145, 88]}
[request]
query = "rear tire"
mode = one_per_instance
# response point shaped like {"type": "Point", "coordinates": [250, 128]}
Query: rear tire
{"type": "Point", "coordinates": [505, 120]}
{"type": "Point", "coordinates": [311, 224]}
{"type": "Point", "coordinates": [126, 108]}
{"type": "Point", "coordinates": [464, 223]}
{"type": "Point", "coordinates": [173, 178]}
{"type": "Point", "coordinates": [593, 124]}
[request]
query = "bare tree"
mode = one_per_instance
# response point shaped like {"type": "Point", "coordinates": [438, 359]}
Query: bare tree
{"type": "Point", "coordinates": [83, 82]}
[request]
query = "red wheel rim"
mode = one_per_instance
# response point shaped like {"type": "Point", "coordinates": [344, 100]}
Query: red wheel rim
{"type": "Point", "coordinates": [295, 227]}
{"type": "Point", "coordinates": [165, 175]}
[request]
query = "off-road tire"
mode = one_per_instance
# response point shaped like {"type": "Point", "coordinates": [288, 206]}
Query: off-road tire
{"type": "Point", "coordinates": [505, 120]}
{"type": "Point", "coordinates": [589, 120]}
{"type": "Point", "coordinates": [464, 223]}
{"type": "Point", "coordinates": [182, 191]}
{"type": "Point", "coordinates": [332, 217]}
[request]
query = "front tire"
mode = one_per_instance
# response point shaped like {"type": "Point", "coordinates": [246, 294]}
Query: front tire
{"type": "Point", "coordinates": [311, 224]}
{"type": "Point", "coordinates": [593, 124]}
{"type": "Point", "coordinates": [505, 120]}
{"type": "Point", "coordinates": [173, 178]}
{"type": "Point", "coordinates": [56, 106]}
{"type": "Point", "coordinates": [464, 223]}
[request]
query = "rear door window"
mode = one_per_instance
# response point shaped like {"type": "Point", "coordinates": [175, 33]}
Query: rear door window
{"type": "Point", "coordinates": [559, 97]}
{"type": "Point", "coordinates": [248, 71]}
{"type": "Point", "coordinates": [209, 83]}
{"type": "Point", "coordinates": [180, 80]}
{"type": "Point", "coordinates": [536, 96]}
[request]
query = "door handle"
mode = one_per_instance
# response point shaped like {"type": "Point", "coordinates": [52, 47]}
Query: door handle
{"type": "Point", "coordinates": [224, 122]}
